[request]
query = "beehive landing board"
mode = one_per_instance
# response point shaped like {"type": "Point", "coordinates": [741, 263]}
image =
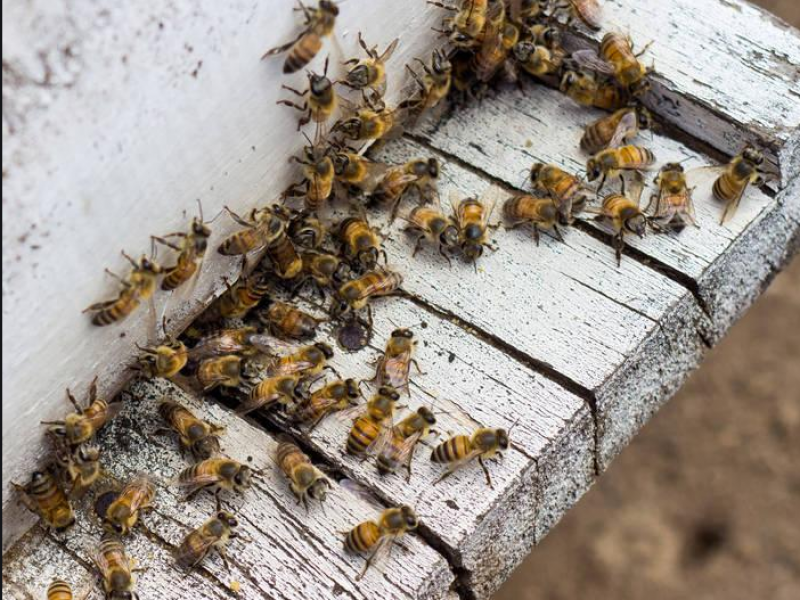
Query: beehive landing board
{"type": "Point", "coordinates": [581, 351]}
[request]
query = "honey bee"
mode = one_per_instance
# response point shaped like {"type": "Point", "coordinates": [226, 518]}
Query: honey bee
{"type": "Point", "coordinates": [286, 262]}
{"type": "Point", "coordinates": [546, 35]}
{"type": "Point", "coordinates": [123, 513]}
{"type": "Point", "coordinates": [306, 480]}
{"type": "Point", "coordinates": [484, 444]}
{"type": "Point", "coordinates": [432, 224]}
{"type": "Point", "coordinates": [472, 219]}
{"type": "Point", "coordinates": [214, 474]}
{"type": "Point", "coordinates": [394, 366]}
{"type": "Point", "coordinates": [82, 425]}
{"type": "Point", "coordinates": [166, 360]}
{"type": "Point", "coordinates": [587, 91]}
{"type": "Point", "coordinates": [244, 341]}
{"type": "Point", "coordinates": [200, 437]}
{"type": "Point", "coordinates": [321, 102]}
{"type": "Point", "coordinates": [616, 58]}
{"type": "Point", "coordinates": [742, 171]}
{"type": "Point", "coordinates": [421, 174]}
{"type": "Point", "coordinates": [369, 430]}
{"type": "Point", "coordinates": [623, 215]}
{"type": "Point", "coordinates": [318, 177]}
{"type": "Point", "coordinates": [323, 270]}
{"type": "Point", "coordinates": [191, 250]}
{"type": "Point", "coordinates": [59, 590]}
{"type": "Point", "coordinates": [542, 213]}
{"type": "Point", "coordinates": [116, 570]}
{"type": "Point", "coordinates": [214, 534]}
{"type": "Point", "coordinates": [499, 38]}
{"type": "Point", "coordinates": [262, 227]}
{"type": "Point", "coordinates": [44, 496]}
{"type": "Point", "coordinates": [371, 71]}
{"type": "Point", "coordinates": [137, 287]}
{"type": "Point", "coordinates": [360, 243]}
{"type": "Point", "coordinates": [275, 389]}
{"type": "Point", "coordinates": [674, 207]}
{"type": "Point", "coordinates": [466, 27]}
{"type": "Point", "coordinates": [319, 24]}
{"type": "Point", "coordinates": [433, 86]}
{"type": "Point", "coordinates": [613, 130]}
{"type": "Point", "coordinates": [378, 536]}
{"type": "Point", "coordinates": [399, 449]}
{"type": "Point", "coordinates": [239, 299]}
{"type": "Point", "coordinates": [357, 172]}
{"type": "Point", "coordinates": [614, 161]}
{"type": "Point", "coordinates": [81, 466]}
{"type": "Point", "coordinates": [538, 60]}
{"type": "Point", "coordinates": [588, 12]}
{"type": "Point", "coordinates": [332, 397]}
{"type": "Point", "coordinates": [370, 122]}
{"type": "Point", "coordinates": [307, 361]}
{"type": "Point", "coordinates": [355, 295]}
{"type": "Point", "coordinates": [284, 320]}
{"type": "Point", "coordinates": [223, 370]}
{"type": "Point", "coordinates": [307, 231]}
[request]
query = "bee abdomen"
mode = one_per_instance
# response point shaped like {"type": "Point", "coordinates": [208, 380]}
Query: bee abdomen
{"type": "Point", "coordinates": [178, 276]}
{"type": "Point", "coordinates": [286, 260]}
{"type": "Point", "coordinates": [363, 433]}
{"type": "Point", "coordinates": [59, 590]}
{"type": "Point", "coordinates": [453, 449]}
{"type": "Point", "coordinates": [302, 53]}
{"type": "Point", "coordinates": [362, 537]}
{"type": "Point", "coordinates": [725, 188]}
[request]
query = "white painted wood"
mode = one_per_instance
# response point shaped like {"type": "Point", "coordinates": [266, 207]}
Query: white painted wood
{"type": "Point", "coordinates": [116, 119]}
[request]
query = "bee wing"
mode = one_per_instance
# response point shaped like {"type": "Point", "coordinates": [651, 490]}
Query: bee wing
{"type": "Point", "coordinates": [490, 198]}
{"type": "Point", "coordinates": [350, 414]}
{"type": "Point", "coordinates": [589, 59]}
{"type": "Point", "coordinates": [379, 555]}
{"type": "Point", "coordinates": [456, 465]}
{"type": "Point", "coordinates": [283, 48]}
{"type": "Point", "coordinates": [387, 54]}
{"type": "Point", "coordinates": [636, 188]}
{"type": "Point", "coordinates": [406, 448]}
{"type": "Point", "coordinates": [454, 198]}
{"type": "Point", "coordinates": [361, 492]}
{"type": "Point", "coordinates": [190, 554]}
{"type": "Point", "coordinates": [379, 443]}
{"type": "Point", "coordinates": [732, 207]}
{"type": "Point", "coordinates": [590, 12]}
{"type": "Point", "coordinates": [375, 174]}
{"type": "Point", "coordinates": [626, 127]}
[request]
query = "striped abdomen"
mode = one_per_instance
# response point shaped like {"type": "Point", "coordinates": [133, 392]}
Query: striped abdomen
{"type": "Point", "coordinates": [59, 590]}
{"type": "Point", "coordinates": [302, 53]}
{"type": "Point", "coordinates": [561, 185]}
{"type": "Point", "coordinates": [598, 135]}
{"type": "Point", "coordinates": [290, 321]}
{"type": "Point", "coordinates": [181, 272]}
{"type": "Point", "coordinates": [127, 302]}
{"type": "Point", "coordinates": [225, 370]}
{"type": "Point", "coordinates": [364, 432]}
{"type": "Point", "coordinates": [530, 208]}
{"type": "Point", "coordinates": [634, 157]}
{"type": "Point", "coordinates": [610, 97]}
{"type": "Point", "coordinates": [51, 501]}
{"type": "Point", "coordinates": [456, 448]}
{"type": "Point", "coordinates": [290, 456]}
{"type": "Point", "coordinates": [320, 178]}
{"type": "Point", "coordinates": [727, 187]}
{"type": "Point", "coordinates": [378, 283]}
{"type": "Point", "coordinates": [115, 566]}
{"type": "Point", "coordinates": [363, 537]}
{"type": "Point", "coordinates": [285, 259]}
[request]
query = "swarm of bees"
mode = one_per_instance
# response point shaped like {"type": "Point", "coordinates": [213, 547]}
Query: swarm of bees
{"type": "Point", "coordinates": [317, 241]}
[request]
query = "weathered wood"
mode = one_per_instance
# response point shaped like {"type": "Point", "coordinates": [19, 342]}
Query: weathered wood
{"type": "Point", "coordinates": [288, 552]}
{"type": "Point", "coordinates": [727, 72]}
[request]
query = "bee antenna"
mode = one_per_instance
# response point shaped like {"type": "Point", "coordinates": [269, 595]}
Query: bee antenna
{"type": "Point", "coordinates": [200, 209]}
{"type": "Point", "coordinates": [510, 429]}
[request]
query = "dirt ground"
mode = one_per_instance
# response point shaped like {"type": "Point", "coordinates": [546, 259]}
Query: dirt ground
{"type": "Point", "coordinates": [705, 503]}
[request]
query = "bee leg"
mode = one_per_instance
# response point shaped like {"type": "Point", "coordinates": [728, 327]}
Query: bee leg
{"type": "Point", "coordinates": [645, 49]}
{"type": "Point", "coordinates": [223, 554]}
{"type": "Point", "coordinates": [536, 233]}
{"type": "Point", "coordinates": [416, 364]}
{"type": "Point", "coordinates": [332, 370]}
{"type": "Point", "coordinates": [619, 243]}
{"type": "Point", "coordinates": [485, 472]}
{"type": "Point", "coordinates": [166, 243]}
{"type": "Point", "coordinates": [117, 277]}
{"type": "Point", "coordinates": [239, 220]}
{"type": "Point", "coordinates": [602, 183]}
{"type": "Point", "coordinates": [622, 183]}
{"type": "Point", "coordinates": [447, 258]}
{"type": "Point", "coordinates": [558, 233]}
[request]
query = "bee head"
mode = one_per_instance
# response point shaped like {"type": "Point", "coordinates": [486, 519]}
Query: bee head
{"type": "Point", "coordinates": [368, 258]}
{"type": "Point", "coordinates": [206, 447]}
{"type": "Point", "coordinates": [145, 264]}
{"type": "Point", "coordinates": [342, 272]}
{"type": "Point", "coordinates": [523, 50]}
{"type": "Point", "coordinates": [319, 489]}
{"type": "Point", "coordinates": [551, 37]}
{"type": "Point", "coordinates": [637, 225]}
{"type": "Point", "coordinates": [672, 167]}
{"type": "Point", "coordinates": [472, 249]}
{"type": "Point", "coordinates": [199, 228]}
{"type": "Point", "coordinates": [228, 519]}
{"type": "Point", "coordinates": [389, 392]}
{"type": "Point", "coordinates": [87, 453]}
{"type": "Point", "coordinates": [752, 155]}
{"type": "Point", "coordinates": [440, 64]}
{"type": "Point", "coordinates": [433, 168]}
{"type": "Point", "coordinates": [409, 517]}
{"type": "Point", "coordinates": [536, 171]}
{"type": "Point", "coordinates": [594, 169]}
{"type": "Point", "coordinates": [449, 237]}
{"type": "Point", "coordinates": [643, 118]}
{"type": "Point", "coordinates": [341, 160]}
{"type": "Point", "coordinates": [427, 415]}
{"type": "Point", "coordinates": [402, 333]}
{"type": "Point", "coordinates": [570, 79]}
{"type": "Point", "coordinates": [326, 350]}
{"type": "Point", "coordinates": [503, 441]}
{"type": "Point", "coordinates": [329, 7]}
{"type": "Point", "coordinates": [640, 88]}
{"type": "Point", "coordinates": [351, 388]}
{"type": "Point", "coordinates": [243, 477]}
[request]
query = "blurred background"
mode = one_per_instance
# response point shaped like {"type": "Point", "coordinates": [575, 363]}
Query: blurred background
{"type": "Point", "coordinates": [705, 503]}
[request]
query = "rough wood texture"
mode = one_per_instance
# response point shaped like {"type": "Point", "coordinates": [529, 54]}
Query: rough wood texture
{"type": "Point", "coordinates": [727, 72]}
{"type": "Point", "coordinates": [290, 553]}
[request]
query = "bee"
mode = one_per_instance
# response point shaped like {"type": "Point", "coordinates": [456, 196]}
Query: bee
{"type": "Point", "coordinates": [394, 366]}
{"type": "Point", "coordinates": [123, 513]}
{"type": "Point", "coordinates": [200, 437]}
{"type": "Point", "coordinates": [371, 71]}
{"type": "Point", "coordinates": [191, 250]}
{"type": "Point", "coordinates": [307, 361]}
{"type": "Point", "coordinates": [59, 590]}
{"type": "Point", "coordinates": [357, 172]}
{"type": "Point", "coordinates": [286, 262]}
{"type": "Point", "coordinates": [284, 320]}
{"type": "Point", "coordinates": [223, 370]}
{"type": "Point", "coordinates": [742, 171]}
{"type": "Point", "coordinates": [355, 295]}
{"type": "Point", "coordinates": [674, 207]}
{"type": "Point", "coordinates": [485, 443]}
{"type": "Point", "coordinates": [499, 38]}
{"type": "Point", "coordinates": [538, 60]}
{"type": "Point", "coordinates": [587, 91]}
{"type": "Point", "coordinates": [360, 243]}
{"type": "Point", "coordinates": [613, 161]}
{"type": "Point", "coordinates": [378, 536]}
{"type": "Point", "coordinates": [323, 270]}
{"type": "Point", "coordinates": [466, 27]}
{"type": "Point", "coordinates": [472, 219]}
{"type": "Point", "coordinates": [214, 534]}
{"type": "Point", "coordinates": [44, 496]}
{"type": "Point", "coordinates": [275, 389]}
{"type": "Point", "coordinates": [419, 173]}
{"type": "Point", "coordinates": [166, 360]}
{"type": "Point", "coordinates": [399, 450]}
{"type": "Point", "coordinates": [82, 425]}
{"type": "Point", "coordinates": [116, 569]}
{"type": "Point", "coordinates": [432, 224]}
{"type": "Point", "coordinates": [613, 130]}
{"type": "Point", "coordinates": [244, 341]}
{"type": "Point", "coordinates": [214, 474]}
{"type": "Point", "coordinates": [306, 480]}
{"type": "Point", "coordinates": [332, 397]}
{"type": "Point", "coordinates": [542, 213]}
{"type": "Point", "coordinates": [262, 227]}
{"type": "Point", "coordinates": [307, 231]}
{"type": "Point", "coordinates": [321, 101]}
{"type": "Point", "coordinates": [616, 58]}
{"type": "Point", "coordinates": [369, 430]}
{"type": "Point", "coordinates": [319, 24]}
{"type": "Point", "coordinates": [433, 86]}
{"type": "Point", "coordinates": [137, 287]}
{"type": "Point", "coordinates": [318, 177]}
{"type": "Point", "coordinates": [239, 299]}
{"type": "Point", "coordinates": [370, 122]}
{"type": "Point", "coordinates": [546, 35]}
{"type": "Point", "coordinates": [623, 215]}
{"type": "Point", "coordinates": [81, 466]}
{"type": "Point", "coordinates": [588, 12]}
